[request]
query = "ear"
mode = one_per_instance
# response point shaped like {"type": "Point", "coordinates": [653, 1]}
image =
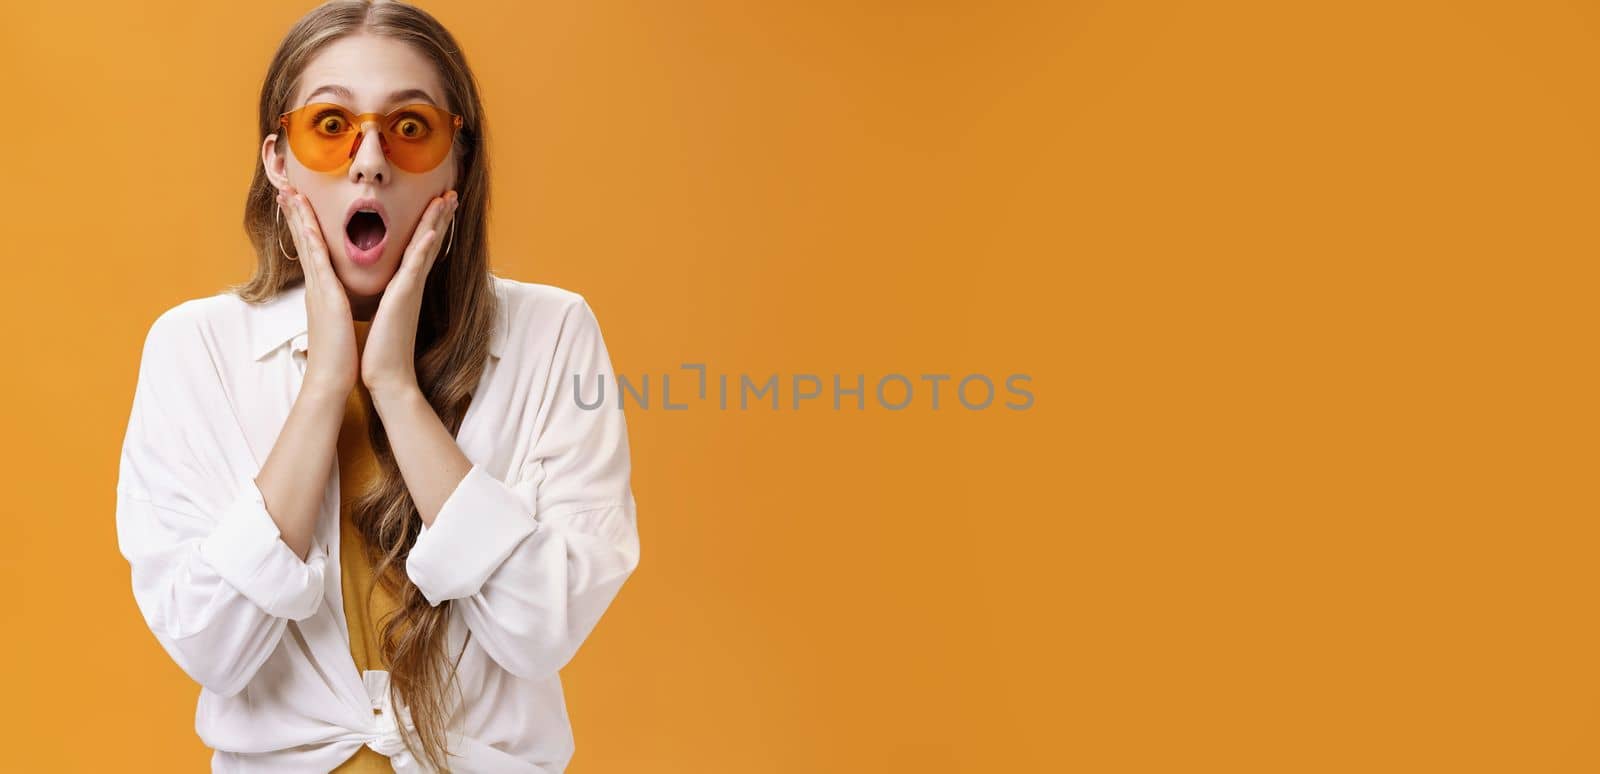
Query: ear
{"type": "Point", "coordinates": [275, 161]}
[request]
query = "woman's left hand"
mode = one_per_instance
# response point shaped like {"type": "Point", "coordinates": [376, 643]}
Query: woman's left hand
{"type": "Point", "coordinates": [388, 360]}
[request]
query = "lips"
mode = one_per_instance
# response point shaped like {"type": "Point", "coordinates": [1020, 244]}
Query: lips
{"type": "Point", "coordinates": [366, 230]}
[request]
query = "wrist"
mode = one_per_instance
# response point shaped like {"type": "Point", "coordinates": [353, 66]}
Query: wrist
{"type": "Point", "coordinates": [320, 388]}
{"type": "Point", "coordinates": [385, 397]}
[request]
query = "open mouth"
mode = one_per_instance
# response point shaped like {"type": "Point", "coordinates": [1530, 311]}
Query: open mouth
{"type": "Point", "coordinates": [365, 229]}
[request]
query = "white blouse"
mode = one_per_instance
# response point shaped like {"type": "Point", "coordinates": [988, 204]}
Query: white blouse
{"type": "Point", "coordinates": [531, 547]}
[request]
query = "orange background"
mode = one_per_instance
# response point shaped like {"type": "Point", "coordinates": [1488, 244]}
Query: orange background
{"type": "Point", "coordinates": [1306, 292]}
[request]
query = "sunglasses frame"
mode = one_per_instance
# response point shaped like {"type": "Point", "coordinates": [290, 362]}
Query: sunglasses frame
{"type": "Point", "coordinates": [359, 120]}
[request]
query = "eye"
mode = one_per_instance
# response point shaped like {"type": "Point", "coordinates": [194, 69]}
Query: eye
{"type": "Point", "coordinates": [329, 122]}
{"type": "Point", "coordinates": [411, 126]}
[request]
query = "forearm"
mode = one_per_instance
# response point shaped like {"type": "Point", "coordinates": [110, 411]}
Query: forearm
{"type": "Point", "coordinates": [431, 462]}
{"type": "Point", "coordinates": [296, 472]}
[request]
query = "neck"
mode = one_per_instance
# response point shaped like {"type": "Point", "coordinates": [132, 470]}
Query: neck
{"type": "Point", "coordinates": [364, 309]}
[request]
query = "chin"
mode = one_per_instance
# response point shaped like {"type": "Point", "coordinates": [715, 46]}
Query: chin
{"type": "Point", "coordinates": [366, 280]}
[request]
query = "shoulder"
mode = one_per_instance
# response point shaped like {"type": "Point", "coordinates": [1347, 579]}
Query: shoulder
{"type": "Point", "coordinates": [185, 317]}
{"type": "Point", "coordinates": [218, 323]}
{"type": "Point", "coordinates": [189, 311]}
{"type": "Point", "coordinates": [535, 307]}
{"type": "Point", "coordinates": [532, 301]}
{"type": "Point", "coordinates": [542, 319]}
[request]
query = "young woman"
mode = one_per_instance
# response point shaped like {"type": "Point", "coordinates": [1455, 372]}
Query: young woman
{"type": "Point", "coordinates": [363, 502]}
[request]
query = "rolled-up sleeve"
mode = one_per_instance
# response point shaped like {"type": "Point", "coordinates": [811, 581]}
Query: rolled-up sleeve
{"type": "Point", "coordinates": [247, 550]}
{"type": "Point", "coordinates": [534, 561]}
{"type": "Point", "coordinates": [211, 575]}
{"type": "Point", "coordinates": [479, 525]}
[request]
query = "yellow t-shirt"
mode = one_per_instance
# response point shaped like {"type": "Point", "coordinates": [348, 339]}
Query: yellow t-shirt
{"type": "Point", "coordinates": [357, 467]}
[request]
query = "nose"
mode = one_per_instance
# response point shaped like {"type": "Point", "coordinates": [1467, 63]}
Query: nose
{"type": "Point", "coordinates": [370, 164]}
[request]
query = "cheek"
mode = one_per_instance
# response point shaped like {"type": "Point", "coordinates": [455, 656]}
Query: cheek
{"type": "Point", "coordinates": [328, 221]}
{"type": "Point", "coordinates": [451, 178]}
{"type": "Point", "coordinates": [412, 224]}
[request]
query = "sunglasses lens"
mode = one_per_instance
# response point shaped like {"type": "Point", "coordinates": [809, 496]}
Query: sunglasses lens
{"type": "Point", "coordinates": [416, 138]}
{"type": "Point", "coordinates": [321, 135]}
{"type": "Point", "coordinates": [419, 137]}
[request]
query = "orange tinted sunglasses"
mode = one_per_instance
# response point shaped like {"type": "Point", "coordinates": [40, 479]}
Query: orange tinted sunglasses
{"type": "Point", "coordinates": [326, 135]}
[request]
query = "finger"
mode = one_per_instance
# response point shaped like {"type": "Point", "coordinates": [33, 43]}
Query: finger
{"type": "Point", "coordinates": [316, 251]}
{"type": "Point", "coordinates": [296, 225]}
{"type": "Point", "coordinates": [441, 221]}
{"type": "Point", "coordinates": [436, 210]}
{"type": "Point", "coordinates": [291, 223]}
{"type": "Point", "coordinates": [448, 211]}
{"type": "Point", "coordinates": [417, 254]}
{"type": "Point", "coordinates": [447, 205]}
{"type": "Point", "coordinates": [309, 230]}
{"type": "Point", "coordinates": [446, 222]}
{"type": "Point", "coordinates": [416, 265]}
{"type": "Point", "coordinates": [447, 214]}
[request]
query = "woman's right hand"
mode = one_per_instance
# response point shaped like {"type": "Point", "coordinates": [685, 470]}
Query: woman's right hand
{"type": "Point", "coordinates": [331, 359]}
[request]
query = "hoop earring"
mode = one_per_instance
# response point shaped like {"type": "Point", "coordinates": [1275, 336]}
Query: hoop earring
{"type": "Point", "coordinates": [452, 242]}
{"type": "Point", "coordinates": [277, 232]}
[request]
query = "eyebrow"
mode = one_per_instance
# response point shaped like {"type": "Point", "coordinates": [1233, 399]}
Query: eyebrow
{"type": "Point", "coordinates": [405, 95]}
